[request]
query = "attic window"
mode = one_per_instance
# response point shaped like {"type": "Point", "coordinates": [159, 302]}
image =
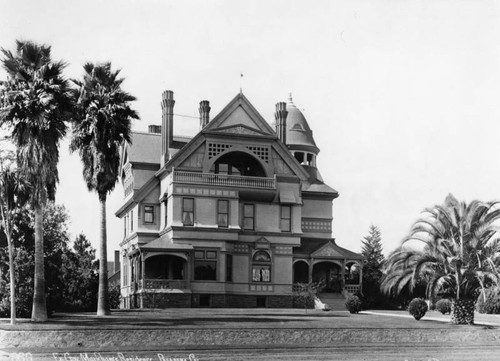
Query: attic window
{"type": "Point", "coordinates": [297, 127]}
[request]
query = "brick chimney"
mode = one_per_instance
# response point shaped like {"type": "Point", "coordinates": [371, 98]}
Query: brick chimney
{"type": "Point", "coordinates": [117, 261]}
{"type": "Point", "coordinates": [154, 129]}
{"type": "Point", "coordinates": [280, 116]}
{"type": "Point", "coordinates": [204, 113]}
{"type": "Point", "coordinates": [167, 123]}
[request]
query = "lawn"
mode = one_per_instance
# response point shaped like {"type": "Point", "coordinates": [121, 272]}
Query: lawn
{"type": "Point", "coordinates": [243, 318]}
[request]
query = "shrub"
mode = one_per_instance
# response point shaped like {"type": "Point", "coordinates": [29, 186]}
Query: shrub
{"type": "Point", "coordinates": [353, 304]}
{"type": "Point", "coordinates": [443, 306]}
{"type": "Point", "coordinates": [492, 303]}
{"type": "Point", "coordinates": [417, 308]}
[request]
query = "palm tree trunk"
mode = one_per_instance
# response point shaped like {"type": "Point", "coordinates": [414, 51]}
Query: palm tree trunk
{"type": "Point", "coordinates": [463, 311]}
{"type": "Point", "coordinates": [39, 311]}
{"type": "Point", "coordinates": [12, 281]}
{"type": "Point", "coordinates": [103, 296]}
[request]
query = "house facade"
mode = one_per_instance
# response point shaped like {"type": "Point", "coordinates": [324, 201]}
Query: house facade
{"type": "Point", "coordinates": [232, 217]}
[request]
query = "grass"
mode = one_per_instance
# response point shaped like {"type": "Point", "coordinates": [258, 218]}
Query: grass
{"type": "Point", "coordinates": [243, 318]}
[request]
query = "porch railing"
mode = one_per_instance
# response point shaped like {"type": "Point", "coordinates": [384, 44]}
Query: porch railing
{"type": "Point", "coordinates": [351, 288]}
{"type": "Point", "coordinates": [224, 180]}
{"type": "Point", "coordinates": [164, 284]}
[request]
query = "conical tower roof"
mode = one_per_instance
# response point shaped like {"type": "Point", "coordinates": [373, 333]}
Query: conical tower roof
{"type": "Point", "coordinates": [298, 133]}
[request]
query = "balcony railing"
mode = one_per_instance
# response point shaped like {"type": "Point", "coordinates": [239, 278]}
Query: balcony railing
{"type": "Point", "coordinates": [158, 284]}
{"type": "Point", "coordinates": [224, 180]}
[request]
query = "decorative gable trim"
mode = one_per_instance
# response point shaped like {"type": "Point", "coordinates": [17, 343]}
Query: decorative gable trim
{"type": "Point", "coordinates": [240, 129]}
{"type": "Point", "coordinates": [262, 243]}
{"type": "Point", "coordinates": [240, 101]}
{"type": "Point", "coordinates": [328, 250]}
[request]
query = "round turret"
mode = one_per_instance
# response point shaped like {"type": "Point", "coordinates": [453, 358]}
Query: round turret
{"type": "Point", "coordinates": [299, 137]}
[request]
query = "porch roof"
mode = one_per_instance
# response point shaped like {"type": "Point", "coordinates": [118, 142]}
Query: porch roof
{"type": "Point", "coordinates": [163, 243]}
{"type": "Point", "coordinates": [323, 248]}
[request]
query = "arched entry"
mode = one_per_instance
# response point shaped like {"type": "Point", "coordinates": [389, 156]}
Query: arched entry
{"type": "Point", "coordinates": [300, 272]}
{"type": "Point", "coordinates": [166, 267]}
{"type": "Point", "coordinates": [329, 274]}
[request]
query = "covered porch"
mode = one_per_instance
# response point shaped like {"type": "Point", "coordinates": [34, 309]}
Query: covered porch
{"type": "Point", "coordinates": [336, 269]}
{"type": "Point", "coordinates": [157, 274]}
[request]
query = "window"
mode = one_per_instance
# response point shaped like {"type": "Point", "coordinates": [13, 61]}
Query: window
{"type": "Point", "coordinates": [249, 216]}
{"type": "Point", "coordinates": [229, 267]}
{"type": "Point", "coordinates": [286, 219]}
{"type": "Point", "coordinates": [205, 265]}
{"type": "Point", "coordinates": [149, 212]}
{"type": "Point", "coordinates": [188, 211]}
{"type": "Point", "coordinates": [131, 221]}
{"type": "Point", "coordinates": [166, 213]}
{"type": "Point", "coordinates": [261, 267]}
{"type": "Point", "coordinates": [222, 213]}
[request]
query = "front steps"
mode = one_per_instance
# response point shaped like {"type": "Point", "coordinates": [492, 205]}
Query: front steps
{"type": "Point", "coordinates": [335, 301]}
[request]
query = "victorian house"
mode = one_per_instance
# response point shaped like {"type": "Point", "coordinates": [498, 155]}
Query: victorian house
{"type": "Point", "coordinates": [232, 217]}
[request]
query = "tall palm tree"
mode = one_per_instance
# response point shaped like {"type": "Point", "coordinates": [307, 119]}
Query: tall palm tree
{"type": "Point", "coordinates": [101, 125]}
{"type": "Point", "coordinates": [35, 103]}
{"type": "Point", "coordinates": [12, 197]}
{"type": "Point", "coordinates": [458, 256]}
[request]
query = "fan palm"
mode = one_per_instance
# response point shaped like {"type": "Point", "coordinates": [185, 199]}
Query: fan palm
{"type": "Point", "coordinates": [458, 258]}
{"type": "Point", "coordinates": [101, 125]}
{"type": "Point", "coordinates": [13, 193]}
{"type": "Point", "coordinates": [35, 103]}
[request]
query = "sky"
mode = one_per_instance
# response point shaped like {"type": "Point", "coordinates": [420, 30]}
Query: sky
{"type": "Point", "coordinates": [402, 96]}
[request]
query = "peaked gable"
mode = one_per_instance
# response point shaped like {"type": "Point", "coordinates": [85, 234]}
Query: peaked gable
{"type": "Point", "coordinates": [328, 250]}
{"type": "Point", "coordinates": [240, 112]}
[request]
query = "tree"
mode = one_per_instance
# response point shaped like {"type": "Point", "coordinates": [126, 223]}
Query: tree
{"type": "Point", "coordinates": [35, 103]}
{"type": "Point", "coordinates": [79, 273]}
{"type": "Point", "coordinates": [56, 240]}
{"type": "Point", "coordinates": [373, 260]}
{"type": "Point", "coordinates": [12, 197]}
{"type": "Point", "coordinates": [371, 250]}
{"type": "Point", "coordinates": [101, 125]}
{"type": "Point", "coordinates": [457, 258]}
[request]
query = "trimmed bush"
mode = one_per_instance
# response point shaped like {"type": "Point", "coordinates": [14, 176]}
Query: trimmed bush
{"type": "Point", "coordinates": [491, 305]}
{"type": "Point", "coordinates": [417, 308]}
{"type": "Point", "coordinates": [353, 304]}
{"type": "Point", "coordinates": [444, 306]}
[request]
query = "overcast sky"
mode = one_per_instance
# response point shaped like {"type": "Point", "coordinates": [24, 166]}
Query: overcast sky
{"type": "Point", "coordinates": [402, 96]}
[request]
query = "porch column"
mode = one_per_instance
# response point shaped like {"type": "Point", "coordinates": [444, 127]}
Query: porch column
{"type": "Point", "coordinates": [187, 271]}
{"type": "Point", "coordinates": [342, 275]}
{"type": "Point", "coordinates": [311, 265]}
{"type": "Point", "coordinates": [143, 268]}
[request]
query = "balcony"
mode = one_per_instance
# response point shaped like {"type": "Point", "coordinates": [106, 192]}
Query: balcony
{"type": "Point", "coordinates": [224, 180]}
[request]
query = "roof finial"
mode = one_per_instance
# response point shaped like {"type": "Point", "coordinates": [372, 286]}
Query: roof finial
{"type": "Point", "coordinates": [290, 98]}
{"type": "Point", "coordinates": [241, 81]}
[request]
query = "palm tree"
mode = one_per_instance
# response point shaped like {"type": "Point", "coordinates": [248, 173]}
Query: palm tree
{"type": "Point", "coordinates": [34, 104]}
{"type": "Point", "coordinates": [101, 125]}
{"type": "Point", "coordinates": [12, 197]}
{"type": "Point", "coordinates": [458, 257]}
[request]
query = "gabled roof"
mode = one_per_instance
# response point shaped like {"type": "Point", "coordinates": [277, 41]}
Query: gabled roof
{"type": "Point", "coordinates": [324, 248]}
{"type": "Point", "coordinates": [238, 112]}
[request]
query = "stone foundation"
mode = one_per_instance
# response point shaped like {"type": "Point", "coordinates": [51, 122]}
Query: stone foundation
{"type": "Point", "coordinates": [186, 300]}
